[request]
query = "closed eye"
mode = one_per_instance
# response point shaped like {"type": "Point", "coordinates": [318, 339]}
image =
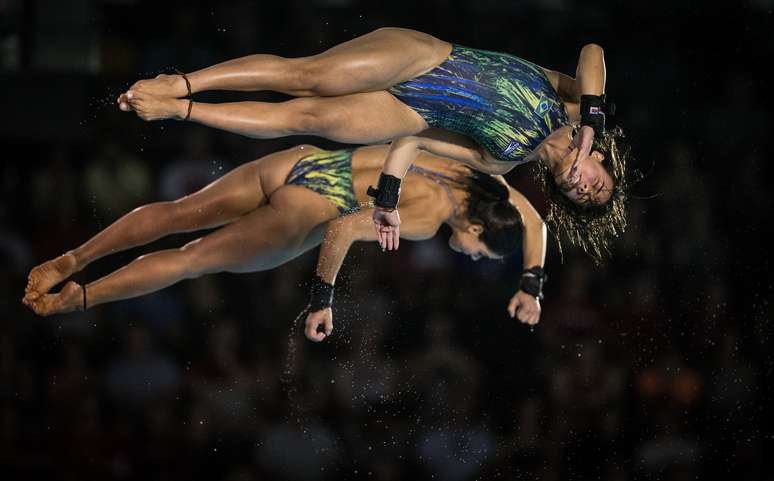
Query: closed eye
{"type": "Point", "coordinates": [601, 186]}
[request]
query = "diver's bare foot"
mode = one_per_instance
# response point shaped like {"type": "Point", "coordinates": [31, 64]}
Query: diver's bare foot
{"type": "Point", "coordinates": [152, 107]}
{"type": "Point", "coordinates": [69, 299]}
{"type": "Point", "coordinates": [163, 85]}
{"type": "Point", "coordinates": [45, 276]}
{"type": "Point", "coordinates": [170, 86]}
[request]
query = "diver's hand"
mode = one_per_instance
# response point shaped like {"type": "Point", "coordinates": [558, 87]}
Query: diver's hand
{"type": "Point", "coordinates": [387, 225]}
{"type": "Point", "coordinates": [582, 141]}
{"type": "Point", "coordinates": [314, 319]}
{"type": "Point", "coordinates": [525, 308]}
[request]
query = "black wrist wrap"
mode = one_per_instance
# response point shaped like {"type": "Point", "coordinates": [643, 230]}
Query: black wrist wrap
{"type": "Point", "coordinates": [320, 294]}
{"type": "Point", "coordinates": [387, 194]}
{"type": "Point", "coordinates": [532, 281]}
{"type": "Point", "coordinates": [593, 112]}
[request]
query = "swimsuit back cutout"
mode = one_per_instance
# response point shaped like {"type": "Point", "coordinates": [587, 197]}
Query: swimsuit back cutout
{"type": "Point", "coordinates": [328, 173]}
{"type": "Point", "coordinates": [440, 179]}
{"type": "Point", "coordinates": [504, 103]}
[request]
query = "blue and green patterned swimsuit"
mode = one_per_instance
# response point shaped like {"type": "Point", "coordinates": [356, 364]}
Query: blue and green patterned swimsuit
{"type": "Point", "coordinates": [504, 103]}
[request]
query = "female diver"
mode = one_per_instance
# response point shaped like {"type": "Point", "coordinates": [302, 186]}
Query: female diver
{"type": "Point", "coordinates": [489, 110]}
{"type": "Point", "coordinates": [275, 208]}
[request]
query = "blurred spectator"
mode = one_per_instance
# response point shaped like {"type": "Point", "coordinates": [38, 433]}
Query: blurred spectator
{"type": "Point", "coordinates": [116, 182]}
{"type": "Point", "coordinates": [141, 374]}
{"type": "Point", "coordinates": [194, 167]}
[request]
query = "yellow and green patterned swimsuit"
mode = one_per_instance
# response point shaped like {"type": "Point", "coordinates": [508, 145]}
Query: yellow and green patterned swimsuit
{"type": "Point", "coordinates": [328, 173]}
{"type": "Point", "coordinates": [504, 103]}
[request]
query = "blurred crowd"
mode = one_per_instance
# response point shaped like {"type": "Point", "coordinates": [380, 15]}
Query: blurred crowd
{"type": "Point", "coordinates": [655, 365]}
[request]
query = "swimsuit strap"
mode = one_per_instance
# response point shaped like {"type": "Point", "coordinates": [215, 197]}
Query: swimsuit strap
{"type": "Point", "coordinates": [440, 179]}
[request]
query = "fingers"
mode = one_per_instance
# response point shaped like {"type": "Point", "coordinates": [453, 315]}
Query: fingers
{"type": "Point", "coordinates": [378, 229]}
{"type": "Point", "coordinates": [512, 306]}
{"type": "Point", "coordinates": [387, 230]}
{"type": "Point", "coordinates": [528, 315]}
{"type": "Point", "coordinates": [378, 226]}
{"type": "Point", "coordinates": [522, 314]}
{"type": "Point", "coordinates": [583, 152]}
{"type": "Point", "coordinates": [313, 321]}
{"type": "Point", "coordinates": [383, 233]}
{"type": "Point", "coordinates": [311, 330]}
{"type": "Point", "coordinates": [583, 140]}
{"type": "Point", "coordinates": [328, 326]}
{"type": "Point", "coordinates": [379, 237]}
{"type": "Point", "coordinates": [568, 151]}
{"type": "Point", "coordinates": [532, 319]}
{"type": "Point", "coordinates": [524, 310]}
{"type": "Point", "coordinates": [572, 146]}
{"type": "Point", "coordinates": [389, 237]}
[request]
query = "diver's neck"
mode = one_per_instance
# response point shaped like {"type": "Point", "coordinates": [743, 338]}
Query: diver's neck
{"type": "Point", "coordinates": [447, 199]}
{"type": "Point", "coordinates": [457, 207]}
{"type": "Point", "coordinates": [454, 213]}
{"type": "Point", "coordinates": [551, 150]}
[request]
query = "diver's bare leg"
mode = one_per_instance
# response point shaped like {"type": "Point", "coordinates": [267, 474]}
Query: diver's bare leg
{"type": "Point", "coordinates": [260, 240]}
{"type": "Point", "coordinates": [223, 200]}
{"type": "Point", "coordinates": [374, 61]}
{"type": "Point", "coordinates": [358, 118]}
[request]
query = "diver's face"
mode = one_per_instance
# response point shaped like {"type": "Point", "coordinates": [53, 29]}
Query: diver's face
{"type": "Point", "coordinates": [467, 241]}
{"type": "Point", "coordinates": [587, 181]}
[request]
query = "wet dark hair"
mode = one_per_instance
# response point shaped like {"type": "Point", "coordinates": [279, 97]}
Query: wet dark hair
{"type": "Point", "coordinates": [591, 227]}
{"type": "Point", "coordinates": [487, 205]}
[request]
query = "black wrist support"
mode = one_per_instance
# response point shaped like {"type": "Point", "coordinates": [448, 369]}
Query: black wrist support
{"type": "Point", "coordinates": [593, 110]}
{"type": "Point", "coordinates": [320, 294]}
{"type": "Point", "coordinates": [387, 194]}
{"type": "Point", "coordinates": [532, 281]}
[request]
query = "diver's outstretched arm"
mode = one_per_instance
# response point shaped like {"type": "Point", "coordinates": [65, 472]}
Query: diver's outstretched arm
{"type": "Point", "coordinates": [522, 305]}
{"type": "Point", "coordinates": [534, 239]}
{"type": "Point", "coordinates": [590, 76]}
{"type": "Point", "coordinates": [443, 143]}
{"type": "Point", "coordinates": [339, 235]}
{"type": "Point", "coordinates": [405, 150]}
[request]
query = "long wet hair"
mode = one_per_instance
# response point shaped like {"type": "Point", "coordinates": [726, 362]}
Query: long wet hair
{"type": "Point", "coordinates": [591, 227]}
{"type": "Point", "coordinates": [487, 205]}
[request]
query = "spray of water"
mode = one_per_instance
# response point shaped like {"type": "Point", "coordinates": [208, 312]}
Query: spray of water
{"type": "Point", "coordinates": [289, 376]}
